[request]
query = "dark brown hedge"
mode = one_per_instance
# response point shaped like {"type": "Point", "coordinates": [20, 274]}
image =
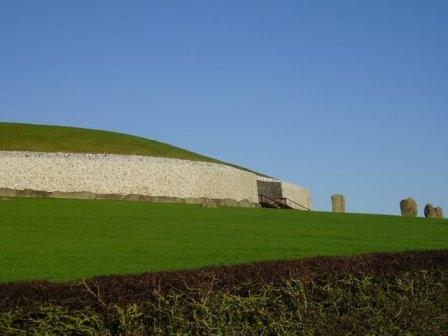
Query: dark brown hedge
{"type": "Point", "coordinates": [123, 289]}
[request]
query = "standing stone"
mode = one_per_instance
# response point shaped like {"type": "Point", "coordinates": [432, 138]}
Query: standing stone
{"type": "Point", "coordinates": [338, 203]}
{"type": "Point", "coordinates": [429, 211]}
{"type": "Point", "coordinates": [439, 212]}
{"type": "Point", "coordinates": [408, 207]}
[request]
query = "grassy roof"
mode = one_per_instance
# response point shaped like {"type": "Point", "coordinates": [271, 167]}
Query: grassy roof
{"type": "Point", "coordinates": [45, 138]}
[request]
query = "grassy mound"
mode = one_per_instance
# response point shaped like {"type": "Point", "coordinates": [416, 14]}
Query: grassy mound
{"type": "Point", "coordinates": [373, 294]}
{"type": "Point", "coordinates": [59, 239]}
{"type": "Point", "coordinates": [42, 138]}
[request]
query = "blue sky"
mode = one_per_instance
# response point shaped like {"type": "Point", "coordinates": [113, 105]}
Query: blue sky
{"type": "Point", "coordinates": [339, 96]}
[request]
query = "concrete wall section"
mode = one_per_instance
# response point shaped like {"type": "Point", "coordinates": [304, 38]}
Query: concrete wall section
{"type": "Point", "coordinates": [123, 174]}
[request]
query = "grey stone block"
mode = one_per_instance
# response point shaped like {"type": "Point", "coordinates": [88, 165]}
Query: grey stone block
{"type": "Point", "coordinates": [146, 198]}
{"type": "Point", "coordinates": [72, 195]}
{"type": "Point", "coordinates": [229, 202]}
{"type": "Point", "coordinates": [32, 193]}
{"type": "Point", "coordinates": [132, 197]}
{"type": "Point", "coordinates": [208, 203]}
{"type": "Point", "coordinates": [192, 200]}
{"type": "Point", "coordinates": [8, 192]}
{"type": "Point", "coordinates": [112, 197]}
{"type": "Point", "coordinates": [245, 204]}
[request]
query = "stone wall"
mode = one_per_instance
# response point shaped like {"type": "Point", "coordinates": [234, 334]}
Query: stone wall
{"type": "Point", "coordinates": [297, 194]}
{"type": "Point", "coordinates": [123, 174]}
{"type": "Point", "coordinates": [109, 174]}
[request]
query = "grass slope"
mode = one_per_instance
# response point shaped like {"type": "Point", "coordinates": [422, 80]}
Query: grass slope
{"type": "Point", "coordinates": [59, 239]}
{"type": "Point", "coordinates": [43, 138]}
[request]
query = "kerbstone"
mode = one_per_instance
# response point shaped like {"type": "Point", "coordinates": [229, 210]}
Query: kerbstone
{"type": "Point", "coordinates": [132, 197]}
{"type": "Point", "coordinates": [229, 202]}
{"type": "Point", "coordinates": [111, 197]}
{"type": "Point", "coordinates": [72, 195]}
{"type": "Point", "coordinates": [245, 204]}
{"type": "Point", "coordinates": [146, 198]}
{"type": "Point", "coordinates": [208, 203]}
{"type": "Point", "coordinates": [192, 200]}
{"type": "Point", "coordinates": [8, 192]}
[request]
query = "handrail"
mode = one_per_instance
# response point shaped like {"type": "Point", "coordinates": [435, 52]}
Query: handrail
{"type": "Point", "coordinates": [289, 200]}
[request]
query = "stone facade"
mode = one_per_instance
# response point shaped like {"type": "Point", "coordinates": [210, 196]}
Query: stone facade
{"type": "Point", "coordinates": [114, 175]}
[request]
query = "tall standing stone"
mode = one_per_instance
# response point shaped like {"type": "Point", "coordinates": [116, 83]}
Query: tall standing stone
{"type": "Point", "coordinates": [439, 212]}
{"type": "Point", "coordinates": [408, 207]}
{"type": "Point", "coordinates": [430, 212]}
{"type": "Point", "coordinates": [338, 203]}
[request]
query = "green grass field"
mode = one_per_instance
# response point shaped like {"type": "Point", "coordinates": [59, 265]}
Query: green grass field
{"type": "Point", "coordinates": [43, 138]}
{"type": "Point", "coordinates": [58, 239]}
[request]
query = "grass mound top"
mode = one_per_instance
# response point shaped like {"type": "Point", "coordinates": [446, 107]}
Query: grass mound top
{"type": "Point", "coordinates": [45, 138]}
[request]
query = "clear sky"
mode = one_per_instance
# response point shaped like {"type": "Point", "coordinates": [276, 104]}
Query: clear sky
{"type": "Point", "coordinates": [339, 96]}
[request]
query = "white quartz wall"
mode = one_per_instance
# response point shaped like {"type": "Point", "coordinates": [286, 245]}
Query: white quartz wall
{"type": "Point", "coordinates": [125, 174]}
{"type": "Point", "coordinates": [297, 194]}
{"type": "Point", "coordinates": [132, 174]}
